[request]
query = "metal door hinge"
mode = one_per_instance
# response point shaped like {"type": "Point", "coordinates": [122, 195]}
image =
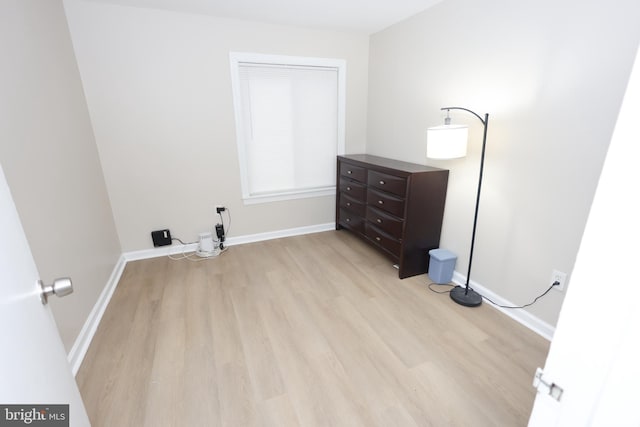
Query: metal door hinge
{"type": "Point", "coordinates": [545, 386]}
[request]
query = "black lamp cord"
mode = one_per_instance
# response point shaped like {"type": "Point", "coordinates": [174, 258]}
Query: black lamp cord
{"type": "Point", "coordinates": [556, 283]}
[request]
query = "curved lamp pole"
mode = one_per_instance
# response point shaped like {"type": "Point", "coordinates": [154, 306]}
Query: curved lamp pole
{"type": "Point", "coordinates": [441, 137]}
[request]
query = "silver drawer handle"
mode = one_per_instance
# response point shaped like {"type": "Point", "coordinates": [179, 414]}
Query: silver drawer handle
{"type": "Point", "coordinates": [348, 203]}
{"type": "Point", "coordinates": [379, 221]}
{"type": "Point", "coordinates": [381, 182]}
{"type": "Point", "coordinates": [348, 219]}
{"type": "Point", "coordinates": [380, 202]}
{"type": "Point", "coordinates": [378, 239]}
{"type": "Point", "coordinates": [348, 188]}
{"type": "Point", "coordinates": [349, 172]}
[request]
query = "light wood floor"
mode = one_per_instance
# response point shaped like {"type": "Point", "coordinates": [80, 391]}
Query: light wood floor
{"type": "Point", "coordinates": [314, 330]}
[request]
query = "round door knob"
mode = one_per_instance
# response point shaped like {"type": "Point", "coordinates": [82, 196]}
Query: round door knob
{"type": "Point", "coordinates": [378, 239]}
{"type": "Point", "coordinates": [381, 182]}
{"type": "Point", "coordinates": [379, 221]}
{"type": "Point", "coordinates": [349, 172]}
{"type": "Point", "coordinates": [380, 202]}
{"type": "Point", "coordinates": [60, 287]}
{"type": "Point", "coordinates": [348, 188]}
{"type": "Point", "coordinates": [348, 203]}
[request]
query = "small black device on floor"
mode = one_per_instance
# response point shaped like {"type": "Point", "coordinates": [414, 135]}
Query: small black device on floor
{"type": "Point", "coordinates": [161, 237]}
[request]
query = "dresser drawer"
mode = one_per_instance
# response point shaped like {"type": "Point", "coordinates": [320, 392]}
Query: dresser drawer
{"type": "Point", "coordinates": [352, 189]}
{"type": "Point", "coordinates": [382, 239]}
{"type": "Point", "coordinates": [353, 205]}
{"type": "Point", "coordinates": [385, 222]}
{"type": "Point", "coordinates": [351, 220]}
{"type": "Point", "coordinates": [390, 183]}
{"type": "Point", "coordinates": [386, 202]}
{"type": "Point", "coordinates": [354, 172]}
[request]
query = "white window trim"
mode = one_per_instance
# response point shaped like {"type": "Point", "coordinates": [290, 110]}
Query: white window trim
{"type": "Point", "coordinates": [237, 58]}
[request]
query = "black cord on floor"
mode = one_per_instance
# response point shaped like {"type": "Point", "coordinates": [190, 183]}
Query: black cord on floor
{"type": "Point", "coordinates": [441, 284]}
{"type": "Point", "coordinates": [488, 299]}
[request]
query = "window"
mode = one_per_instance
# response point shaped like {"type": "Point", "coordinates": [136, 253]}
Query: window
{"type": "Point", "coordinates": [289, 124]}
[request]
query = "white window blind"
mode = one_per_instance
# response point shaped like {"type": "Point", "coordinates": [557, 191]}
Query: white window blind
{"type": "Point", "coordinates": [289, 120]}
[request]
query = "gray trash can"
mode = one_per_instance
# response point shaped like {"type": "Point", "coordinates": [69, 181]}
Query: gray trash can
{"type": "Point", "coordinates": [441, 265]}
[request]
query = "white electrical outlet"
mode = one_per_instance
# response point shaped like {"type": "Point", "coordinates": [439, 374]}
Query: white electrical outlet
{"type": "Point", "coordinates": [560, 277]}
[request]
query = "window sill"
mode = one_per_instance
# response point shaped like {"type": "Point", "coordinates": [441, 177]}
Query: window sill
{"type": "Point", "coordinates": [293, 195]}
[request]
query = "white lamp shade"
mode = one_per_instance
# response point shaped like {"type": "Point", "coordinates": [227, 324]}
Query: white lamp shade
{"type": "Point", "coordinates": [447, 142]}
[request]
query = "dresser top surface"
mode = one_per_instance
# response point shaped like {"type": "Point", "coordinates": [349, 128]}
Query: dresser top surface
{"type": "Point", "coordinates": [389, 163]}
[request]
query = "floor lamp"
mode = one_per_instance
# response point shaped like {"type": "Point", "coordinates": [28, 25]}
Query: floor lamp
{"type": "Point", "coordinates": [449, 142]}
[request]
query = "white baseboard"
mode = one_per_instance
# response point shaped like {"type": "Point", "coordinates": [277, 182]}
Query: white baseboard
{"type": "Point", "coordinates": [158, 252]}
{"type": "Point", "coordinates": [522, 316]}
{"type": "Point", "coordinates": [81, 344]}
{"type": "Point", "coordinates": [299, 231]}
{"type": "Point", "coordinates": [230, 241]}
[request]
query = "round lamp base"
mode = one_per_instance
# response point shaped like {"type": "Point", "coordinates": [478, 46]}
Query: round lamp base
{"type": "Point", "coordinates": [468, 298]}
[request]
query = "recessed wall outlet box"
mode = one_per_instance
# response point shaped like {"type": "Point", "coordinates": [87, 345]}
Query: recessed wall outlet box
{"type": "Point", "coordinates": [161, 237]}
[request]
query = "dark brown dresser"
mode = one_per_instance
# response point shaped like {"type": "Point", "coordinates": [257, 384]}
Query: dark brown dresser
{"type": "Point", "coordinates": [395, 206]}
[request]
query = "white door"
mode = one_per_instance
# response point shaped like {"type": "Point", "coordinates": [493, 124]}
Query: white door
{"type": "Point", "coordinates": [33, 364]}
{"type": "Point", "coordinates": [595, 353]}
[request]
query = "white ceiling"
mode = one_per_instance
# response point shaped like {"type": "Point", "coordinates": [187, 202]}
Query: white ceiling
{"type": "Point", "coordinates": [365, 16]}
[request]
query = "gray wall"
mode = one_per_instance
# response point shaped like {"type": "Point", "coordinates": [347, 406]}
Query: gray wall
{"type": "Point", "coordinates": [552, 75]}
{"type": "Point", "coordinates": [49, 157]}
{"type": "Point", "coordinates": [159, 93]}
